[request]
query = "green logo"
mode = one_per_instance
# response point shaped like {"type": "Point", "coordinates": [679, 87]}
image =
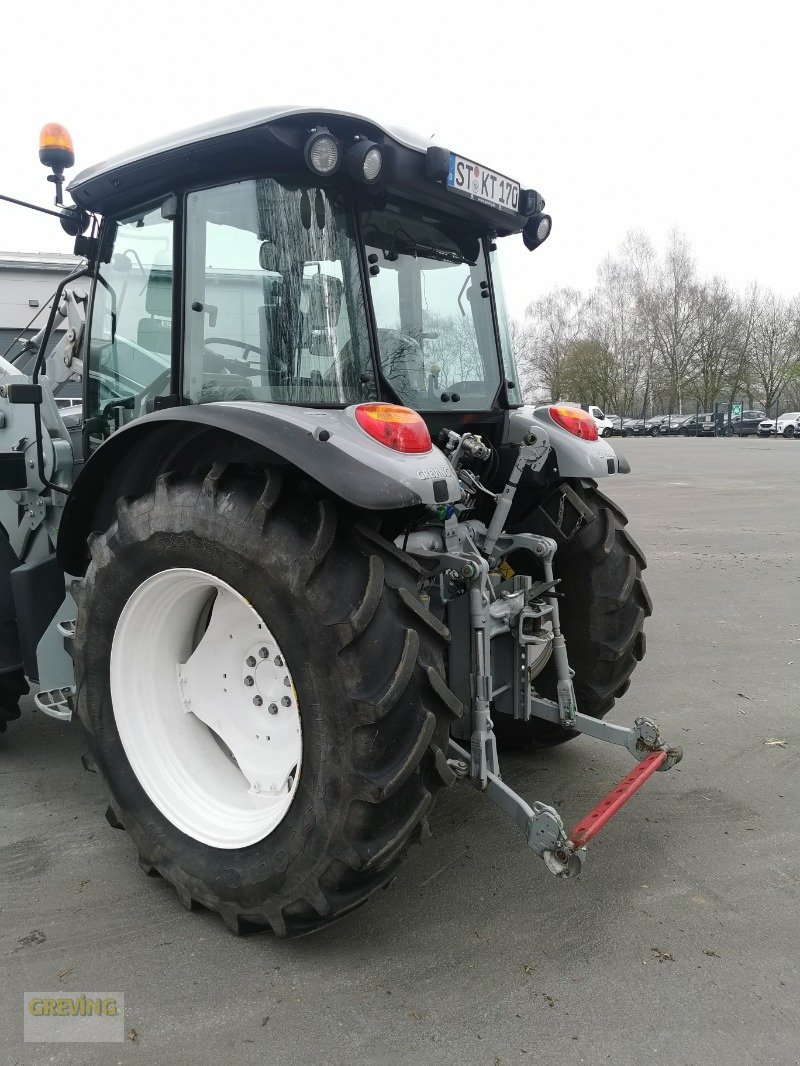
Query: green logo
{"type": "Point", "coordinates": [736, 410]}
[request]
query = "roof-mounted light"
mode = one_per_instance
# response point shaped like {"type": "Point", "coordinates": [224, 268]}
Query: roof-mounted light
{"type": "Point", "coordinates": [365, 161]}
{"type": "Point", "coordinates": [397, 427]}
{"type": "Point", "coordinates": [56, 151]}
{"type": "Point", "coordinates": [322, 152]}
{"type": "Point", "coordinates": [55, 146]}
{"type": "Point", "coordinates": [537, 230]}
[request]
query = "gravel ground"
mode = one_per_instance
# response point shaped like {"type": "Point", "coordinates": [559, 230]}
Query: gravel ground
{"type": "Point", "coordinates": [679, 941]}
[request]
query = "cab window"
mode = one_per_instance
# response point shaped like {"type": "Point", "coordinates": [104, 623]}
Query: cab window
{"type": "Point", "coordinates": [274, 302]}
{"type": "Point", "coordinates": [430, 292]}
{"type": "Point", "coordinates": [131, 329]}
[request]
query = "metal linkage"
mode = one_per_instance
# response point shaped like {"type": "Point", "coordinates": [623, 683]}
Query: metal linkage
{"type": "Point", "coordinates": [541, 824]}
{"type": "Point", "coordinates": [462, 553]}
{"type": "Point", "coordinates": [643, 739]}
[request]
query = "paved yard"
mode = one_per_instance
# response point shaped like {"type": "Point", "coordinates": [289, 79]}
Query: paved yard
{"type": "Point", "coordinates": [679, 942]}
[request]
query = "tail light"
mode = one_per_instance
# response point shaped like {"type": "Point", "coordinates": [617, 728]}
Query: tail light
{"type": "Point", "coordinates": [574, 420]}
{"type": "Point", "coordinates": [397, 427]}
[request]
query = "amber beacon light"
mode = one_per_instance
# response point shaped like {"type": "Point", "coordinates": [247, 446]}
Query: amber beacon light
{"type": "Point", "coordinates": [56, 151]}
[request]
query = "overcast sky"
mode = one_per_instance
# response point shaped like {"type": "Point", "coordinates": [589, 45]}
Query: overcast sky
{"type": "Point", "coordinates": [623, 114]}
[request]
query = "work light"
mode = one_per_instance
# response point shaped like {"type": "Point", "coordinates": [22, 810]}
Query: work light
{"type": "Point", "coordinates": [365, 161]}
{"type": "Point", "coordinates": [536, 231]}
{"type": "Point", "coordinates": [322, 152]}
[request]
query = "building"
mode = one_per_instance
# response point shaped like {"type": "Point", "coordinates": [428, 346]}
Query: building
{"type": "Point", "coordinates": [27, 281]}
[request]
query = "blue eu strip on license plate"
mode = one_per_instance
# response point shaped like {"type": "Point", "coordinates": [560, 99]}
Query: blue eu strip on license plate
{"type": "Point", "coordinates": [480, 183]}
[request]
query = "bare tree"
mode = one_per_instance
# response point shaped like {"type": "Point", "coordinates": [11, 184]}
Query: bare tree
{"type": "Point", "coordinates": [669, 308]}
{"type": "Point", "coordinates": [589, 372]}
{"type": "Point", "coordinates": [718, 366]}
{"type": "Point", "coordinates": [652, 335]}
{"type": "Point", "coordinates": [622, 279]}
{"type": "Point", "coordinates": [523, 345]}
{"type": "Point", "coordinates": [776, 344]}
{"type": "Point", "coordinates": [556, 321]}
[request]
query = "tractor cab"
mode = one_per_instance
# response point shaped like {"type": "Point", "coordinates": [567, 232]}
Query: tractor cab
{"type": "Point", "coordinates": [300, 257]}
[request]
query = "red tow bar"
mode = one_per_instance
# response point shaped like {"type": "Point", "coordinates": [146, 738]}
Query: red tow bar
{"type": "Point", "coordinates": [616, 798]}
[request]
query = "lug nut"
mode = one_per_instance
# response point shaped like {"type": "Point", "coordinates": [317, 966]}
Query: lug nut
{"type": "Point", "coordinates": [286, 701]}
{"type": "Point", "coordinates": [263, 653]}
{"type": "Point", "coordinates": [273, 708]}
{"type": "Point", "coordinates": [286, 682]}
{"type": "Point", "coordinates": [250, 661]}
{"type": "Point", "coordinates": [257, 701]}
{"type": "Point", "coordinates": [278, 660]}
{"type": "Point", "coordinates": [249, 681]}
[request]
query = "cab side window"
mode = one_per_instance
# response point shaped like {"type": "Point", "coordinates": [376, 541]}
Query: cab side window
{"type": "Point", "coordinates": [130, 342]}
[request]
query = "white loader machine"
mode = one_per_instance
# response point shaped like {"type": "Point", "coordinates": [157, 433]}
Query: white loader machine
{"type": "Point", "coordinates": [304, 554]}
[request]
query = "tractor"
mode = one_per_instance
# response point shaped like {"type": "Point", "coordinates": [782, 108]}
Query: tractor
{"type": "Point", "coordinates": [305, 557]}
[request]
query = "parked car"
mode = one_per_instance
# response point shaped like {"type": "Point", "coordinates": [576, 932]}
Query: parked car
{"type": "Point", "coordinates": [788, 424]}
{"type": "Point", "coordinates": [673, 426]}
{"type": "Point", "coordinates": [745, 425]}
{"type": "Point", "coordinates": [653, 425]}
{"type": "Point", "coordinates": [616, 425]}
{"type": "Point", "coordinates": [766, 427]}
{"type": "Point", "coordinates": [633, 427]}
{"type": "Point", "coordinates": [699, 425]}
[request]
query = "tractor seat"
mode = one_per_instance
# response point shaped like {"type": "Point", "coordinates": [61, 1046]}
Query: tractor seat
{"type": "Point", "coordinates": [155, 331]}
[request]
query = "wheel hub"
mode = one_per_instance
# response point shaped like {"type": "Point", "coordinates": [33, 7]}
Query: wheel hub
{"type": "Point", "coordinates": [206, 708]}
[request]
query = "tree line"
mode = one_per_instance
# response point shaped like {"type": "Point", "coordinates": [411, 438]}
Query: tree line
{"type": "Point", "coordinates": [653, 337]}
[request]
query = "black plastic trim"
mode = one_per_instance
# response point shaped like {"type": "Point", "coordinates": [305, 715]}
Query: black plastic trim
{"type": "Point", "coordinates": [13, 474]}
{"type": "Point", "coordinates": [24, 393]}
{"type": "Point", "coordinates": [38, 590]}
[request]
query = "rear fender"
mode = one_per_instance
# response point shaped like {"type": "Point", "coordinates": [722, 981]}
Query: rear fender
{"type": "Point", "coordinates": [325, 444]}
{"type": "Point", "coordinates": [576, 458]}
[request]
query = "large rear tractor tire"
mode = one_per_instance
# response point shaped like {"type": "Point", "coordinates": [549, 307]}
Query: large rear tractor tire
{"type": "Point", "coordinates": [263, 693]}
{"type": "Point", "coordinates": [603, 611]}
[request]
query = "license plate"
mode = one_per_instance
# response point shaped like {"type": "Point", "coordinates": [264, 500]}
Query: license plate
{"type": "Point", "coordinates": [479, 183]}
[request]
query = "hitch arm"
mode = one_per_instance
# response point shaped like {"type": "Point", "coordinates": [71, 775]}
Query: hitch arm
{"type": "Point", "coordinates": [563, 853]}
{"type": "Point", "coordinates": [541, 824]}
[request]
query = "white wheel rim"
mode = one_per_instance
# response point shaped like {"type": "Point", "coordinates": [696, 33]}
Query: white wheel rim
{"type": "Point", "coordinates": [206, 708]}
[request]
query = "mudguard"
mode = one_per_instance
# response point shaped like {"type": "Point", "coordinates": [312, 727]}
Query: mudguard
{"type": "Point", "coordinates": [328, 445]}
{"type": "Point", "coordinates": [576, 458]}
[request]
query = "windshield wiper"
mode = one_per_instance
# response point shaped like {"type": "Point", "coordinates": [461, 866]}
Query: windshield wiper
{"type": "Point", "coordinates": [427, 251]}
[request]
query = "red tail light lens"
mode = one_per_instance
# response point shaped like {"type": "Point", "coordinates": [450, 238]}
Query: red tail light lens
{"type": "Point", "coordinates": [397, 427]}
{"type": "Point", "coordinates": [575, 421]}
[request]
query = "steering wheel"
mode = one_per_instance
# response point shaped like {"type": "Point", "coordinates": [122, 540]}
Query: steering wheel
{"type": "Point", "coordinates": [246, 346]}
